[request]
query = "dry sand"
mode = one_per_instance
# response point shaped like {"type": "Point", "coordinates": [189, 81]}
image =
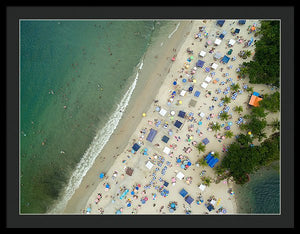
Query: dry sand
{"type": "Point", "coordinates": [130, 129]}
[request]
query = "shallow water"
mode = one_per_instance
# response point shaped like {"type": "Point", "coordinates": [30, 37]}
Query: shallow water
{"type": "Point", "coordinates": [73, 76]}
{"type": "Point", "coordinates": [261, 195]}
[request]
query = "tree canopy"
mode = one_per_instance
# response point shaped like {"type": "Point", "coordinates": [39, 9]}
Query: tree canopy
{"type": "Point", "coordinates": [265, 67]}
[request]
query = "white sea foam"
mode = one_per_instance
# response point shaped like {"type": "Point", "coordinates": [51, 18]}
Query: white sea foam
{"type": "Point", "coordinates": [95, 148]}
{"type": "Point", "coordinates": [171, 34]}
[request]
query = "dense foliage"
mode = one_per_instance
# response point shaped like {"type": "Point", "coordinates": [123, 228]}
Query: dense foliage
{"type": "Point", "coordinates": [271, 102]}
{"type": "Point", "coordinates": [243, 159]}
{"type": "Point", "coordinates": [265, 67]}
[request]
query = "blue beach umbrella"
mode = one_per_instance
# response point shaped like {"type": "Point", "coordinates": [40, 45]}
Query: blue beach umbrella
{"type": "Point", "coordinates": [101, 175]}
{"type": "Point", "coordinates": [174, 83]}
{"type": "Point", "coordinates": [183, 80]}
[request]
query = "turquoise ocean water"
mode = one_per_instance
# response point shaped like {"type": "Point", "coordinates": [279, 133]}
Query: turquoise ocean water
{"type": "Point", "coordinates": [75, 79]}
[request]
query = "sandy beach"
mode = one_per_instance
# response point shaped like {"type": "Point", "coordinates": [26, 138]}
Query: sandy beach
{"type": "Point", "coordinates": [154, 184]}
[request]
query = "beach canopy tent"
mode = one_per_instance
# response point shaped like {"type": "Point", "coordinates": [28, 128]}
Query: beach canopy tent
{"type": "Point", "coordinates": [162, 112]}
{"type": "Point", "coordinates": [231, 42]}
{"type": "Point", "coordinates": [181, 114]}
{"type": "Point", "coordinates": [192, 103]}
{"type": "Point", "coordinates": [189, 199]}
{"type": "Point", "coordinates": [204, 85]}
{"type": "Point", "coordinates": [225, 59]}
{"type": "Point", "coordinates": [129, 171]}
{"type": "Point", "coordinates": [149, 165]}
{"type": "Point", "coordinates": [214, 66]}
{"type": "Point", "coordinates": [220, 22]}
{"type": "Point", "coordinates": [200, 63]}
{"type": "Point", "coordinates": [210, 207]}
{"type": "Point", "coordinates": [180, 175]}
{"type": "Point", "coordinates": [254, 100]}
{"type": "Point", "coordinates": [213, 202]}
{"type": "Point", "coordinates": [217, 55]}
{"type": "Point", "coordinates": [166, 150]}
{"type": "Point", "coordinates": [165, 139]}
{"type": "Point", "coordinates": [177, 124]}
{"type": "Point", "coordinates": [182, 93]}
{"type": "Point", "coordinates": [242, 22]}
{"type": "Point", "coordinates": [237, 30]}
{"type": "Point", "coordinates": [208, 79]}
{"type": "Point", "coordinates": [197, 93]}
{"type": "Point", "coordinates": [218, 41]}
{"type": "Point", "coordinates": [202, 114]}
{"type": "Point", "coordinates": [202, 187]}
{"type": "Point", "coordinates": [166, 183]}
{"type": "Point", "coordinates": [136, 147]}
{"type": "Point", "coordinates": [222, 36]}
{"type": "Point", "coordinates": [202, 53]}
{"type": "Point", "coordinates": [151, 135]}
{"type": "Point", "coordinates": [183, 193]}
{"type": "Point", "coordinates": [205, 141]}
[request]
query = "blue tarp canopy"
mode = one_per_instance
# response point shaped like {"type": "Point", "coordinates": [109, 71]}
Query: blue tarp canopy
{"type": "Point", "coordinates": [210, 207]}
{"type": "Point", "coordinates": [225, 59]}
{"type": "Point", "coordinates": [197, 93]}
{"type": "Point", "coordinates": [165, 139]}
{"type": "Point", "coordinates": [220, 22]}
{"type": "Point", "coordinates": [177, 124]}
{"type": "Point", "coordinates": [255, 94]}
{"type": "Point", "coordinates": [189, 199]}
{"type": "Point", "coordinates": [237, 30]}
{"type": "Point", "coordinates": [166, 183]}
{"type": "Point", "coordinates": [181, 114]}
{"type": "Point", "coordinates": [183, 193]}
{"type": "Point", "coordinates": [205, 141]}
{"type": "Point", "coordinates": [200, 63]}
{"type": "Point", "coordinates": [242, 21]}
{"type": "Point", "coordinates": [151, 135]}
{"type": "Point", "coordinates": [211, 160]}
{"type": "Point", "coordinates": [136, 147]}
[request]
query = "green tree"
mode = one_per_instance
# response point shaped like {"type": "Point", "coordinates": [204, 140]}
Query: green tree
{"type": "Point", "coordinates": [265, 67]}
{"type": "Point", "coordinates": [215, 126]}
{"type": "Point", "coordinates": [271, 102]}
{"type": "Point", "coordinates": [250, 89]}
{"type": "Point", "coordinates": [258, 111]}
{"type": "Point", "coordinates": [226, 100]}
{"type": "Point", "coordinates": [244, 139]}
{"type": "Point", "coordinates": [275, 124]}
{"type": "Point", "coordinates": [206, 180]}
{"type": "Point", "coordinates": [201, 147]}
{"type": "Point", "coordinates": [216, 154]}
{"type": "Point", "coordinates": [235, 87]}
{"type": "Point", "coordinates": [229, 134]}
{"type": "Point", "coordinates": [224, 116]}
{"type": "Point", "coordinates": [239, 109]}
{"type": "Point", "coordinates": [202, 162]}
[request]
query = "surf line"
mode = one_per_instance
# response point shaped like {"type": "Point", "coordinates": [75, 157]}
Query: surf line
{"type": "Point", "coordinates": [95, 148]}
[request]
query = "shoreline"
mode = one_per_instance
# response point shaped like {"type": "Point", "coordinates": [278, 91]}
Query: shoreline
{"type": "Point", "coordinates": [131, 128]}
{"type": "Point", "coordinates": [127, 124]}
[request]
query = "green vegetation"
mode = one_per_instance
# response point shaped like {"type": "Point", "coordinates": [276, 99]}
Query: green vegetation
{"type": "Point", "coordinates": [271, 102]}
{"type": "Point", "coordinates": [224, 116]}
{"type": "Point", "coordinates": [226, 99]}
{"type": "Point", "coordinates": [238, 109]}
{"type": "Point", "coordinates": [241, 160]}
{"type": "Point", "coordinates": [215, 126]}
{"type": "Point", "coordinates": [201, 147]}
{"type": "Point", "coordinates": [228, 134]}
{"type": "Point", "coordinates": [265, 67]}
